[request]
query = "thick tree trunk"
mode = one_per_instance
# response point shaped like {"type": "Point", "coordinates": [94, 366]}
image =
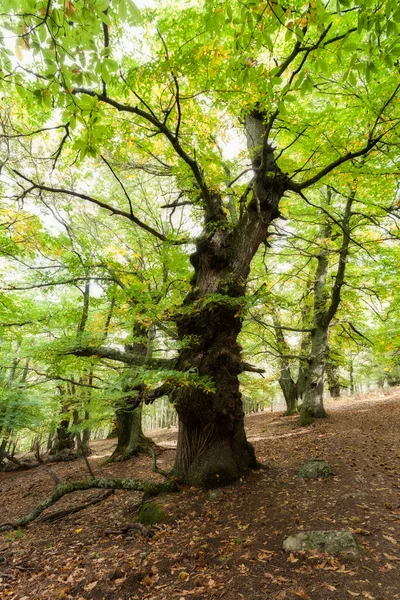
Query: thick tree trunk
{"type": "Point", "coordinates": [64, 440]}
{"type": "Point", "coordinates": [212, 446]}
{"type": "Point", "coordinates": [333, 362]}
{"type": "Point", "coordinates": [131, 439]}
{"type": "Point", "coordinates": [334, 390]}
{"type": "Point", "coordinates": [82, 438]}
{"type": "Point", "coordinates": [289, 390]}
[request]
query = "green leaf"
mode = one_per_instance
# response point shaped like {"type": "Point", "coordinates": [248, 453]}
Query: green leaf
{"type": "Point", "coordinates": [134, 11]}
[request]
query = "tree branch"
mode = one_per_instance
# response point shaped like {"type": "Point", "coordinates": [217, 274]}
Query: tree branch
{"type": "Point", "coordinates": [128, 358]}
{"type": "Point", "coordinates": [111, 209]}
{"type": "Point", "coordinates": [298, 187]}
{"type": "Point", "coordinates": [162, 128]}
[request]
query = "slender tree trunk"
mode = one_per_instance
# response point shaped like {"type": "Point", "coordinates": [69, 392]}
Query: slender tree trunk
{"type": "Point", "coordinates": [314, 374]}
{"type": "Point", "coordinates": [131, 439]}
{"type": "Point", "coordinates": [286, 382]}
{"type": "Point", "coordinates": [326, 303]}
{"type": "Point", "coordinates": [304, 344]}
{"type": "Point", "coordinates": [313, 397]}
{"type": "Point", "coordinates": [351, 373]}
{"type": "Point", "coordinates": [333, 379]}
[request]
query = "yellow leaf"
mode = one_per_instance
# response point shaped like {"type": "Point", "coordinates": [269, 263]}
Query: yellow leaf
{"type": "Point", "coordinates": [390, 539]}
{"type": "Point", "coordinates": [90, 586]}
{"type": "Point", "coordinates": [78, 530]}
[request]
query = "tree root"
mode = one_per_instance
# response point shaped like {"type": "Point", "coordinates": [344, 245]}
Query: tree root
{"type": "Point", "coordinates": [143, 447]}
{"type": "Point", "coordinates": [154, 466]}
{"type": "Point", "coordinates": [60, 514]}
{"type": "Point", "coordinates": [133, 485]}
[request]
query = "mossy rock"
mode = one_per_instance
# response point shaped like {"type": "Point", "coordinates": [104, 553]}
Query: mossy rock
{"type": "Point", "coordinates": [215, 495]}
{"type": "Point", "coordinates": [314, 468]}
{"type": "Point", "coordinates": [331, 542]}
{"type": "Point", "coordinates": [152, 513]}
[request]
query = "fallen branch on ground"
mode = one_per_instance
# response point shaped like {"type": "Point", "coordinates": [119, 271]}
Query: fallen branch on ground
{"type": "Point", "coordinates": [132, 485]}
{"type": "Point", "coordinates": [19, 463]}
{"type": "Point", "coordinates": [60, 514]}
{"type": "Point", "coordinates": [124, 529]}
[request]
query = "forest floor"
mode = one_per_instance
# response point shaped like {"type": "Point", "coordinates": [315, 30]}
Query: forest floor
{"type": "Point", "coordinates": [229, 547]}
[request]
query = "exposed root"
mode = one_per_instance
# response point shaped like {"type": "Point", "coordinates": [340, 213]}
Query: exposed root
{"type": "Point", "coordinates": [133, 485]}
{"type": "Point", "coordinates": [154, 465]}
{"type": "Point", "coordinates": [60, 514]}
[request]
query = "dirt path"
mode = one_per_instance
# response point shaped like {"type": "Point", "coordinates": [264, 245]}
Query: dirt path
{"type": "Point", "coordinates": [229, 547]}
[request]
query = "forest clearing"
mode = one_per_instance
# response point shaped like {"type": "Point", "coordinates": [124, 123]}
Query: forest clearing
{"type": "Point", "coordinates": [230, 545]}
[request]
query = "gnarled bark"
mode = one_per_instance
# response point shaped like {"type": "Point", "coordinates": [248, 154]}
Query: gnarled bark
{"type": "Point", "coordinates": [289, 390]}
{"type": "Point", "coordinates": [332, 377]}
{"type": "Point", "coordinates": [63, 442]}
{"type": "Point", "coordinates": [130, 437]}
{"type": "Point", "coordinates": [212, 446]}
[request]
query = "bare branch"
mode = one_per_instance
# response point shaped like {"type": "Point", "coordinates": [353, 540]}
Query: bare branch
{"type": "Point", "coordinates": [113, 210]}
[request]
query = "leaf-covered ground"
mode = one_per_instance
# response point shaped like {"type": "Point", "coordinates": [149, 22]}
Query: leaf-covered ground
{"type": "Point", "coordinates": [227, 547]}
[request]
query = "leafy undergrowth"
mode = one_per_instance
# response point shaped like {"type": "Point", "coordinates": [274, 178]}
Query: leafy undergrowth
{"type": "Point", "coordinates": [230, 546]}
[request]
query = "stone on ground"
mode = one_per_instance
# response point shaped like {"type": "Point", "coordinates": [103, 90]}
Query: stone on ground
{"type": "Point", "coordinates": [330, 541]}
{"type": "Point", "coordinates": [315, 468]}
{"type": "Point", "coordinates": [215, 494]}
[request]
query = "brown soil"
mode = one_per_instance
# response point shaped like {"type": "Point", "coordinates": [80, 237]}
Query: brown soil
{"type": "Point", "coordinates": [229, 547]}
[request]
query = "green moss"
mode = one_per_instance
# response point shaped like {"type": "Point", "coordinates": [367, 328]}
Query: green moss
{"type": "Point", "coordinates": [151, 513]}
{"type": "Point", "coordinates": [315, 468]}
{"type": "Point", "coordinates": [306, 417]}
